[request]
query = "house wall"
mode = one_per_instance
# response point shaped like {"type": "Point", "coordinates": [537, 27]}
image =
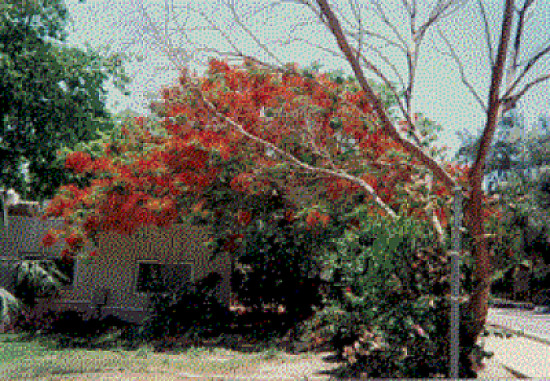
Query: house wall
{"type": "Point", "coordinates": [24, 235]}
{"type": "Point", "coordinates": [115, 266]}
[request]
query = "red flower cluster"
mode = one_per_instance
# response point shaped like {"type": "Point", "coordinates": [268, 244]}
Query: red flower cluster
{"type": "Point", "coordinates": [49, 240]}
{"type": "Point", "coordinates": [244, 217]}
{"type": "Point", "coordinates": [242, 182]}
{"type": "Point", "coordinates": [315, 217]}
{"type": "Point", "coordinates": [78, 161]}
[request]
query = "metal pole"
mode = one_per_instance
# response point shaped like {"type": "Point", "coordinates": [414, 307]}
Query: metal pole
{"type": "Point", "coordinates": [455, 284]}
{"type": "Point", "coordinates": [4, 210]}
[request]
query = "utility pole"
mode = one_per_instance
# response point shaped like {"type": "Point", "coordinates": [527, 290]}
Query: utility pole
{"type": "Point", "coordinates": [455, 284]}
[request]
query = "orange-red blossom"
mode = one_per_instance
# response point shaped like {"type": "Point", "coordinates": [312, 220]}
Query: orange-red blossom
{"type": "Point", "coordinates": [134, 187]}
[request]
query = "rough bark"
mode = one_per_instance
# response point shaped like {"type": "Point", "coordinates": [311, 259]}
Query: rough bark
{"type": "Point", "coordinates": [479, 299]}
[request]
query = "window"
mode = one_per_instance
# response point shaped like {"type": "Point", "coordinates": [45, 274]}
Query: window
{"type": "Point", "coordinates": [7, 273]}
{"type": "Point", "coordinates": [157, 277]}
{"type": "Point", "coordinates": [62, 270]}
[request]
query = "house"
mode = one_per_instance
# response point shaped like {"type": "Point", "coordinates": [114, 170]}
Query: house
{"type": "Point", "coordinates": [116, 280]}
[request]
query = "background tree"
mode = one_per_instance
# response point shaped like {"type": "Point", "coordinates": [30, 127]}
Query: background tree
{"type": "Point", "coordinates": [50, 94]}
{"type": "Point", "coordinates": [516, 171]}
{"type": "Point", "coordinates": [518, 151]}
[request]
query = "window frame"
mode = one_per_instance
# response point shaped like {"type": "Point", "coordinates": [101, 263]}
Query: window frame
{"type": "Point", "coordinates": [159, 262]}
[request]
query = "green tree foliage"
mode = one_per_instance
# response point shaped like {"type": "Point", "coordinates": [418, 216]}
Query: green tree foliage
{"type": "Point", "coordinates": [389, 305]}
{"type": "Point", "coordinates": [517, 153]}
{"type": "Point", "coordinates": [516, 172]}
{"type": "Point", "coordinates": [51, 95]}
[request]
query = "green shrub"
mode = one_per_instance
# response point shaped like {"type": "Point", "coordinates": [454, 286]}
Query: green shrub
{"type": "Point", "coordinates": [388, 307]}
{"type": "Point", "coordinates": [37, 279]}
{"type": "Point", "coordinates": [195, 308]}
{"type": "Point", "coordinates": [278, 265]}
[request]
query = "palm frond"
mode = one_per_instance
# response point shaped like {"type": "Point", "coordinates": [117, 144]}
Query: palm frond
{"type": "Point", "coordinates": [36, 279]}
{"type": "Point", "coordinates": [10, 306]}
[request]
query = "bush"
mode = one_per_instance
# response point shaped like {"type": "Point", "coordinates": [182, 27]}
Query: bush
{"type": "Point", "coordinates": [388, 308]}
{"type": "Point", "coordinates": [278, 266]}
{"type": "Point", "coordinates": [178, 312]}
{"type": "Point", "coordinates": [37, 279]}
{"type": "Point", "coordinates": [10, 307]}
{"type": "Point", "coordinates": [32, 321]}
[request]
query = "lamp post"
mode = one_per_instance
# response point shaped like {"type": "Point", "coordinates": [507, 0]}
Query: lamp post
{"type": "Point", "coordinates": [455, 284]}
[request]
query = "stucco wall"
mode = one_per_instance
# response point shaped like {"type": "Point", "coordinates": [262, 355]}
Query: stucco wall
{"type": "Point", "coordinates": [116, 265]}
{"type": "Point", "coordinates": [24, 235]}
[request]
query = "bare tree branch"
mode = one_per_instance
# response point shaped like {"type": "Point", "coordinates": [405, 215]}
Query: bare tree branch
{"type": "Point", "coordinates": [519, 32]}
{"type": "Point", "coordinates": [252, 35]}
{"type": "Point", "coordinates": [435, 15]}
{"type": "Point", "coordinates": [386, 40]}
{"type": "Point", "coordinates": [168, 47]}
{"type": "Point", "coordinates": [386, 21]}
{"type": "Point", "coordinates": [357, 15]}
{"type": "Point", "coordinates": [375, 101]}
{"type": "Point", "coordinates": [511, 100]}
{"type": "Point", "coordinates": [408, 8]}
{"type": "Point", "coordinates": [389, 63]}
{"type": "Point", "coordinates": [488, 38]}
{"type": "Point", "coordinates": [404, 111]}
{"type": "Point", "coordinates": [214, 26]}
{"type": "Point", "coordinates": [461, 70]}
{"type": "Point", "coordinates": [532, 61]}
{"type": "Point", "coordinates": [494, 101]}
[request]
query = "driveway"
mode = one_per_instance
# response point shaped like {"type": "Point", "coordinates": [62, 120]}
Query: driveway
{"type": "Point", "coordinates": [530, 322]}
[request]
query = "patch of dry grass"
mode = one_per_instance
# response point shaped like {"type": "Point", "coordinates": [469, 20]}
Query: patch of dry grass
{"type": "Point", "coordinates": [196, 360]}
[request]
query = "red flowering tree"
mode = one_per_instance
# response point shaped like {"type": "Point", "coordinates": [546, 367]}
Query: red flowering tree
{"type": "Point", "coordinates": [291, 124]}
{"type": "Point", "coordinates": [247, 145]}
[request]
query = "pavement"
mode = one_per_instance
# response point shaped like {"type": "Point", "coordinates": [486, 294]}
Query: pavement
{"type": "Point", "coordinates": [526, 354]}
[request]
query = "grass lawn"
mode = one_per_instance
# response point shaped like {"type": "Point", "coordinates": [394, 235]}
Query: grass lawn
{"type": "Point", "coordinates": [13, 348]}
{"type": "Point", "coordinates": [38, 358]}
{"type": "Point", "coordinates": [22, 358]}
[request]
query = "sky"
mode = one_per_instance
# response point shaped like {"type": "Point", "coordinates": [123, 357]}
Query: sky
{"type": "Point", "coordinates": [439, 93]}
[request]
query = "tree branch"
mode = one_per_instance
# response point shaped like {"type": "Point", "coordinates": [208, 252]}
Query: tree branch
{"type": "Point", "coordinates": [519, 32]}
{"type": "Point", "coordinates": [252, 35]}
{"type": "Point", "coordinates": [494, 101]}
{"type": "Point", "coordinates": [461, 70]}
{"type": "Point", "coordinates": [435, 14]}
{"type": "Point", "coordinates": [384, 18]}
{"type": "Point", "coordinates": [375, 101]}
{"type": "Point", "coordinates": [487, 32]}
{"type": "Point", "coordinates": [510, 101]}
{"type": "Point", "coordinates": [527, 67]}
{"type": "Point", "coordinates": [337, 173]}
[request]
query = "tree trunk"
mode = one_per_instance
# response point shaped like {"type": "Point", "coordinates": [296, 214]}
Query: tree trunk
{"type": "Point", "coordinates": [479, 300]}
